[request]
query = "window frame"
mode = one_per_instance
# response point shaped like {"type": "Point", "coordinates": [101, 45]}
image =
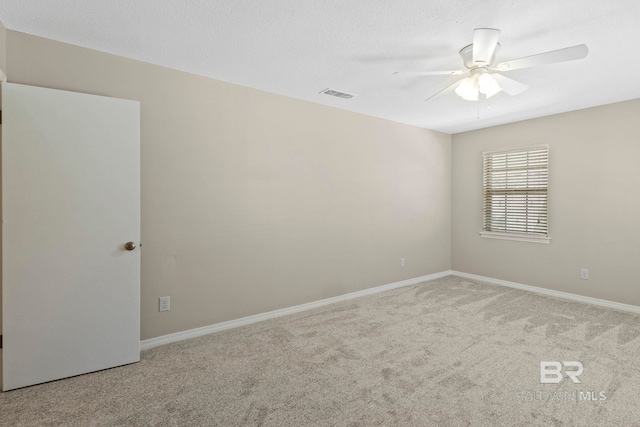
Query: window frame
{"type": "Point", "coordinates": [513, 235]}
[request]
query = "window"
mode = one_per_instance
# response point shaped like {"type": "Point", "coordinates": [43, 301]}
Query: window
{"type": "Point", "coordinates": [515, 194]}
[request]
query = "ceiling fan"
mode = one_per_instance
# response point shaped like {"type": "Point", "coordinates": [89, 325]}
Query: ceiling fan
{"type": "Point", "coordinates": [485, 78]}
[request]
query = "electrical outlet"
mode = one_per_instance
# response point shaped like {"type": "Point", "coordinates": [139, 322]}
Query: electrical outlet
{"type": "Point", "coordinates": [401, 262]}
{"type": "Point", "coordinates": [165, 303]}
{"type": "Point", "coordinates": [584, 273]}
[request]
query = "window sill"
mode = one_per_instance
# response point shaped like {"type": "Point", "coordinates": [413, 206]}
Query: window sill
{"type": "Point", "coordinates": [514, 236]}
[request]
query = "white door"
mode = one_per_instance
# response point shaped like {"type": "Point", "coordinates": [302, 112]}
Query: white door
{"type": "Point", "coordinates": [70, 203]}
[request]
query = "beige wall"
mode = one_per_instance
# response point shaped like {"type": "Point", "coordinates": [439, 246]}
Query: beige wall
{"type": "Point", "coordinates": [3, 38]}
{"type": "Point", "coordinates": [253, 201]}
{"type": "Point", "coordinates": [594, 204]}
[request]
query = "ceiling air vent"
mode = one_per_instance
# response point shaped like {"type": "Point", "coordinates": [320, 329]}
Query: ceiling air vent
{"type": "Point", "coordinates": [336, 93]}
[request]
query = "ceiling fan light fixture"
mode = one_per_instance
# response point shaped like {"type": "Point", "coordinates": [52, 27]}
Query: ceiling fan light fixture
{"type": "Point", "coordinates": [479, 59]}
{"type": "Point", "coordinates": [488, 85]}
{"type": "Point", "coordinates": [468, 89]}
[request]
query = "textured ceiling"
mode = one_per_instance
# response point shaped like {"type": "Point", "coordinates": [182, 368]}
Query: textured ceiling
{"type": "Point", "coordinates": [299, 47]}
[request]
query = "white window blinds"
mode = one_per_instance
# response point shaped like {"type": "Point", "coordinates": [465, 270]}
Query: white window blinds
{"type": "Point", "coordinates": [515, 192]}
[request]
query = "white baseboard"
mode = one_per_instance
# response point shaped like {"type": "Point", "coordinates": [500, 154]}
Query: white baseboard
{"type": "Point", "coordinates": [205, 330]}
{"type": "Point", "coordinates": [550, 292]}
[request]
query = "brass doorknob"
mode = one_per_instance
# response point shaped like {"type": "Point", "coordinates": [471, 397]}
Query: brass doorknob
{"type": "Point", "coordinates": [129, 246]}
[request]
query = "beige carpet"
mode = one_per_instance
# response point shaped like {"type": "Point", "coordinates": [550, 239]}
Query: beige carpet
{"type": "Point", "coordinates": [451, 352]}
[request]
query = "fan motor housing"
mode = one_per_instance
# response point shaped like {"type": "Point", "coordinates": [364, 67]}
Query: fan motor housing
{"type": "Point", "coordinates": [467, 56]}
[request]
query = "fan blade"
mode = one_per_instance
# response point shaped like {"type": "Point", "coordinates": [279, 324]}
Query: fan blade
{"type": "Point", "coordinates": [485, 41]}
{"type": "Point", "coordinates": [561, 55]}
{"type": "Point", "coordinates": [429, 73]}
{"type": "Point", "coordinates": [448, 88]}
{"type": "Point", "coordinates": [510, 86]}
